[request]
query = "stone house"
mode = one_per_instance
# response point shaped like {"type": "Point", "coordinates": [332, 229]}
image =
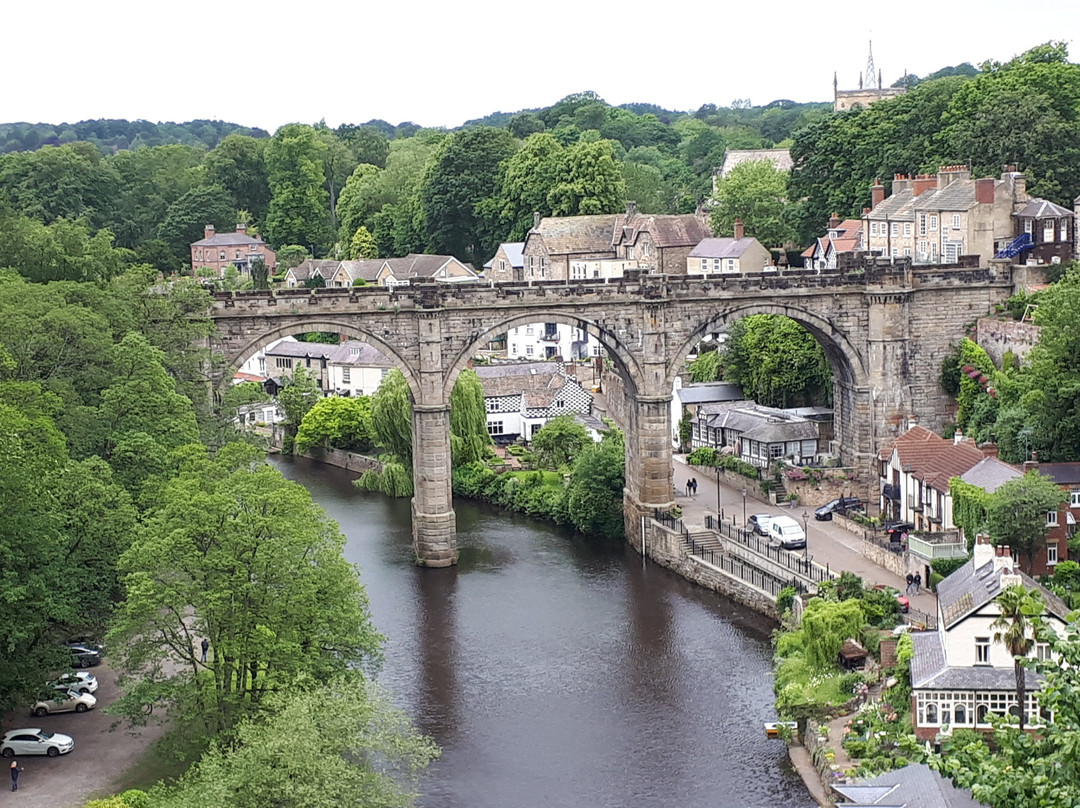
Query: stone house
{"type": "Point", "coordinates": [416, 266]}
{"type": "Point", "coordinates": [842, 237]}
{"type": "Point", "coordinates": [299, 275]}
{"type": "Point", "coordinates": [287, 355]}
{"type": "Point", "coordinates": [959, 675]}
{"type": "Point", "coordinates": [690, 398]}
{"type": "Point", "coordinates": [508, 263]}
{"type": "Point", "coordinates": [355, 368]}
{"type": "Point", "coordinates": [722, 256]}
{"type": "Point", "coordinates": [521, 398]}
{"type": "Point", "coordinates": [219, 251]}
{"type": "Point", "coordinates": [659, 244]}
{"type": "Point", "coordinates": [756, 434]}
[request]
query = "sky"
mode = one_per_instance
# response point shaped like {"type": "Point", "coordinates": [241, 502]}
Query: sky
{"type": "Point", "coordinates": [439, 64]}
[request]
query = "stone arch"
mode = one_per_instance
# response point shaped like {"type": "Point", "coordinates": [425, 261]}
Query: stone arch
{"type": "Point", "coordinates": [266, 337]}
{"type": "Point", "coordinates": [847, 362]}
{"type": "Point", "coordinates": [627, 362]}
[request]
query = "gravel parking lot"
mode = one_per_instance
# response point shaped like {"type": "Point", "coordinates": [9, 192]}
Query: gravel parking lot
{"type": "Point", "coordinates": [91, 769]}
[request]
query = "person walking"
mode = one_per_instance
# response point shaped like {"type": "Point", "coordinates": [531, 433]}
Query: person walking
{"type": "Point", "coordinates": [693, 486]}
{"type": "Point", "coordinates": [918, 582]}
{"type": "Point", "coordinates": [15, 769]}
{"type": "Point", "coordinates": [205, 648]}
{"type": "Point", "coordinates": [687, 486]}
{"type": "Point", "coordinates": [910, 583]}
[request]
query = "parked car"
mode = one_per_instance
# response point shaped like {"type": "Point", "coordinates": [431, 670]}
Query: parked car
{"type": "Point", "coordinates": [905, 604]}
{"type": "Point", "coordinates": [64, 701]}
{"type": "Point", "coordinates": [787, 532]}
{"type": "Point", "coordinates": [841, 506]}
{"type": "Point", "coordinates": [35, 742]}
{"type": "Point", "coordinates": [83, 656]}
{"type": "Point", "coordinates": [759, 523]}
{"type": "Point", "coordinates": [79, 681]}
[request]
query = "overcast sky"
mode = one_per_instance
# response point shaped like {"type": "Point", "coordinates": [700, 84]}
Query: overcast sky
{"type": "Point", "coordinates": [441, 63]}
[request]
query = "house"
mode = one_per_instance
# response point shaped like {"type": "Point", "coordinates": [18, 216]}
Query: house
{"type": "Point", "coordinates": [348, 272]}
{"type": "Point", "coordinates": [299, 275]}
{"type": "Point", "coordinates": [841, 237]}
{"type": "Point", "coordinates": [254, 367]}
{"type": "Point", "coordinates": [250, 416]}
{"type": "Point", "coordinates": [722, 256]}
{"type": "Point", "coordinates": [355, 368]}
{"type": "Point", "coordinates": [936, 218]}
{"type": "Point", "coordinates": [550, 341]}
{"type": "Point", "coordinates": [284, 357]}
{"type": "Point", "coordinates": [1051, 229]}
{"type": "Point", "coordinates": [508, 263]}
{"type": "Point", "coordinates": [755, 434]}
{"type": "Point", "coordinates": [959, 675]}
{"type": "Point", "coordinates": [604, 246]}
{"type": "Point", "coordinates": [521, 398]}
{"type": "Point", "coordinates": [219, 251]}
{"type": "Point", "coordinates": [416, 266]}
{"type": "Point", "coordinates": [1060, 524]}
{"type": "Point", "coordinates": [688, 399]}
{"type": "Point", "coordinates": [914, 475]}
{"type": "Point", "coordinates": [913, 786]}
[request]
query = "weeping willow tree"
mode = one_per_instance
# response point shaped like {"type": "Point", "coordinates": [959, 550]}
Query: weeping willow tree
{"type": "Point", "coordinates": [468, 420]}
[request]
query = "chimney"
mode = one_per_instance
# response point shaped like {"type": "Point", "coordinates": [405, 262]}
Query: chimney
{"type": "Point", "coordinates": [631, 210]}
{"type": "Point", "coordinates": [242, 228]}
{"type": "Point", "coordinates": [877, 194]}
{"type": "Point", "coordinates": [1020, 193]}
{"type": "Point", "coordinates": [536, 220]}
{"type": "Point", "coordinates": [983, 551]}
{"type": "Point", "coordinates": [989, 449]}
{"type": "Point", "coordinates": [958, 438]}
{"type": "Point", "coordinates": [834, 222]}
{"type": "Point", "coordinates": [739, 232]}
{"type": "Point", "coordinates": [1003, 562]}
{"type": "Point", "coordinates": [901, 182]}
{"type": "Point", "coordinates": [912, 423]}
{"type": "Point", "coordinates": [208, 231]}
{"type": "Point", "coordinates": [1032, 464]}
{"type": "Point", "coordinates": [984, 191]}
{"type": "Point", "coordinates": [923, 183]}
{"type": "Point", "coordinates": [950, 174]}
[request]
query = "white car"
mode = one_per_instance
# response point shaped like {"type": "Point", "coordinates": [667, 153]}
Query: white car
{"type": "Point", "coordinates": [67, 701]}
{"type": "Point", "coordinates": [35, 742]}
{"type": "Point", "coordinates": [79, 681]}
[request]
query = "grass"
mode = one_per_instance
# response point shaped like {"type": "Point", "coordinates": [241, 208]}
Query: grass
{"type": "Point", "coordinates": [798, 684]}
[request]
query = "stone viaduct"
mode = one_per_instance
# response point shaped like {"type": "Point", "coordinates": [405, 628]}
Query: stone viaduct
{"type": "Point", "coordinates": [885, 328]}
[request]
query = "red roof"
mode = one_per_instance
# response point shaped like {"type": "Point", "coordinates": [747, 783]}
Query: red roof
{"type": "Point", "coordinates": [249, 377]}
{"type": "Point", "coordinates": [932, 459]}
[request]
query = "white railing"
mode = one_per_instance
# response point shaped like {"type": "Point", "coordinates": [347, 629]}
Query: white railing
{"type": "Point", "coordinates": [932, 550]}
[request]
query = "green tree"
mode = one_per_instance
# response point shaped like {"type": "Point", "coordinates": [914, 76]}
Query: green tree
{"type": "Point", "coordinates": [590, 181]}
{"type": "Point", "coordinates": [595, 494]}
{"type": "Point", "coordinates": [339, 162]}
{"type": "Point", "coordinates": [391, 416]}
{"type": "Point", "coordinates": [352, 208]}
{"type": "Point", "coordinates": [299, 211]}
{"type": "Point", "coordinates": [232, 552]}
{"type": "Point", "coordinates": [1016, 513]}
{"type": "Point", "coordinates": [777, 362]}
{"type": "Point", "coordinates": [469, 436]}
{"type": "Point", "coordinates": [260, 274]}
{"type": "Point", "coordinates": [300, 393]}
{"type": "Point", "coordinates": [187, 217]}
{"type": "Point", "coordinates": [525, 181]}
{"type": "Point", "coordinates": [238, 164]}
{"type": "Point", "coordinates": [363, 245]}
{"type": "Point", "coordinates": [337, 422]}
{"type": "Point", "coordinates": [61, 251]}
{"type": "Point", "coordinates": [367, 144]}
{"type": "Point", "coordinates": [706, 368]}
{"type": "Point", "coordinates": [1018, 627]}
{"type": "Point", "coordinates": [292, 255]}
{"type": "Point", "coordinates": [560, 441]}
{"type": "Point", "coordinates": [756, 192]}
{"type": "Point", "coordinates": [827, 625]}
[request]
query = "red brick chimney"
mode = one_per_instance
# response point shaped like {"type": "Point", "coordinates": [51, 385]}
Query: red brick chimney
{"type": "Point", "coordinates": [877, 194]}
{"type": "Point", "coordinates": [208, 231]}
{"type": "Point", "coordinates": [923, 183]}
{"type": "Point", "coordinates": [834, 222]}
{"type": "Point", "coordinates": [989, 449]}
{"type": "Point", "coordinates": [242, 228]}
{"type": "Point", "coordinates": [739, 232]}
{"type": "Point", "coordinates": [984, 191]}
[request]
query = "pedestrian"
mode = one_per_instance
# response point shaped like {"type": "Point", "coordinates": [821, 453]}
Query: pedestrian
{"type": "Point", "coordinates": [205, 648]}
{"type": "Point", "coordinates": [688, 487]}
{"type": "Point", "coordinates": [910, 582]}
{"type": "Point", "coordinates": [15, 769]}
{"type": "Point", "coordinates": [918, 582]}
{"type": "Point", "coordinates": [693, 486]}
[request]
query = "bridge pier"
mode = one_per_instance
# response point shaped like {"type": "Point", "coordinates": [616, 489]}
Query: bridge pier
{"type": "Point", "coordinates": [649, 470]}
{"type": "Point", "coordinates": [434, 523]}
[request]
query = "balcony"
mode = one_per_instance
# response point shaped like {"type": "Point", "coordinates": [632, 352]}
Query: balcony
{"type": "Point", "coordinates": [890, 491]}
{"type": "Point", "coordinates": [933, 546]}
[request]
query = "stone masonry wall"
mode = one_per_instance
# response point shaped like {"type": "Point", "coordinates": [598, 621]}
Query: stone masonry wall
{"type": "Point", "coordinates": [350, 461]}
{"type": "Point", "coordinates": [998, 336]}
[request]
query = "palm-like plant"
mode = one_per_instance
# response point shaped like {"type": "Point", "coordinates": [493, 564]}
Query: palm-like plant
{"type": "Point", "coordinates": [1018, 628]}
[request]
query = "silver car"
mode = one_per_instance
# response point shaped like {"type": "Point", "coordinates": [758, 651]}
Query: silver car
{"type": "Point", "coordinates": [65, 701]}
{"type": "Point", "coordinates": [79, 681]}
{"type": "Point", "coordinates": [35, 742]}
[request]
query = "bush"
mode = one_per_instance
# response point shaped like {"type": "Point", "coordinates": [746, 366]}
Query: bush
{"type": "Point", "coordinates": [703, 456]}
{"type": "Point", "coordinates": [359, 282]}
{"type": "Point", "coordinates": [947, 566]}
{"type": "Point", "coordinates": [786, 599]}
{"type": "Point", "coordinates": [516, 449]}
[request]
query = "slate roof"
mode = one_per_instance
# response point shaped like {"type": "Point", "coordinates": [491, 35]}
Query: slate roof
{"type": "Point", "coordinates": [708, 392]}
{"type": "Point", "coordinates": [366, 269]}
{"type": "Point", "coordinates": [895, 208]}
{"type": "Point", "coordinates": [957, 195]}
{"type": "Point", "coordinates": [355, 353]}
{"type": "Point", "coordinates": [930, 672]}
{"type": "Point", "coordinates": [1043, 209]}
{"type": "Point", "coordinates": [577, 235]}
{"type": "Point", "coordinates": [990, 474]}
{"type": "Point", "coordinates": [1061, 473]}
{"type": "Point", "coordinates": [513, 250]}
{"type": "Point", "coordinates": [227, 240]}
{"type": "Point", "coordinates": [723, 247]}
{"type": "Point", "coordinates": [781, 158]}
{"type": "Point", "coordinates": [683, 230]}
{"type": "Point", "coordinates": [969, 589]}
{"type": "Point", "coordinates": [541, 382]}
{"type": "Point", "coordinates": [418, 265]}
{"type": "Point", "coordinates": [914, 786]}
{"type": "Point", "coordinates": [753, 421]}
{"type": "Point", "coordinates": [303, 350]}
{"type": "Point", "coordinates": [326, 267]}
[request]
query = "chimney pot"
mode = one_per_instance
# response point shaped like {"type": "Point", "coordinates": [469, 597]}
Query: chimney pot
{"type": "Point", "coordinates": [208, 231]}
{"type": "Point", "coordinates": [536, 219]}
{"type": "Point", "coordinates": [631, 210]}
{"type": "Point", "coordinates": [739, 230]}
{"type": "Point", "coordinates": [241, 228]}
{"type": "Point", "coordinates": [877, 194]}
{"type": "Point", "coordinates": [834, 222]}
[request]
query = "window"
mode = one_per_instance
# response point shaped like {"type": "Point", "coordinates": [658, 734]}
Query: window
{"type": "Point", "coordinates": [502, 265]}
{"type": "Point", "coordinates": [922, 224]}
{"type": "Point", "coordinates": [931, 714]}
{"type": "Point", "coordinates": [513, 349]}
{"type": "Point", "coordinates": [907, 251]}
{"type": "Point", "coordinates": [222, 258]}
{"type": "Point", "coordinates": [1027, 226]}
{"type": "Point", "coordinates": [1051, 519]}
{"type": "Point", "coordinates": [382, 375]}
{"type": "Point", "coordinates": [716, 265]}
{"type": "Point", "coordinates": [346, 375]}
{"type": "Point", "coordinates": [907, 228]}
{"type": "Point", "coordinates": [873, 228]}
{"type": "Point", "coordinates": [1048, 230]}
{"type": "Point", "coordinates": [1042, 651]}
{"type": "Point", "coordinates": [645, 249]}
{"type": "Point", "coordinates": [528, 350]}
{"type": "Point", "coordinates": [630, 253]}
{"type": "Point", "coordinates": [732, 266]}
{"type": "Point", "coordinates": [895, 229]}
{"type": "Point", "coordinates": [776, 450]}
{"type": "Point", "coordinates": [956, 221]}
{"type": "Point", "coordinates": [528, 330]}
{"type": "Point", "coordinates": [933, 221]}
{"type": "Point", "coordinates": [895, 251]}
{"type": "Point", "coordinates": [1051, 553]}
{"type": "Point", "coordinates": [560, 404]}
{"type": "Point", "coordinates": [495, 427]}
{"type": "Point", "coordinates": [982, 650]}
{"type": "Point", "coordinates": [282, 362]}
{"type": "Point", "coordinates": [1074, 499]}
{"type": "Point", "coordinates": [1063, 230]}
{"type": "Point", "coordinates": [491, 405]}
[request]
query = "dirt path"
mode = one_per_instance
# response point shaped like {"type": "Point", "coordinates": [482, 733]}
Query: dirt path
{"type": "Point", "coordinates": [100, 757]}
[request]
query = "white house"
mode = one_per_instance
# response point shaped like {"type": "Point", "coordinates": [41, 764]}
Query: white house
{"type": "Point", "coordinates": [549, 341]}
{"type": "Point", "coordinates": [254, 368]}
{"type": "Point", "coordinates": [440, 268]}
{"type": "Point", "coordinates": [285, 356]}
{"type": "Point", "coordinates": [691, 397]}
{"type": "Point", "coordinates": [959, 675]}
{"type": "Point", "coordinates": [755, 434]}
{"type": "Point", "coordinates": [521, 398]}
{"type": "Point", "coordinates": [355, 368]}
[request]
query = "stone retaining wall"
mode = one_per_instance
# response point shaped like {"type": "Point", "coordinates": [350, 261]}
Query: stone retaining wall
{"type": "Point", "coordinates": [350, 461]}
{"type": "Point", "coordinates": [896, 563]}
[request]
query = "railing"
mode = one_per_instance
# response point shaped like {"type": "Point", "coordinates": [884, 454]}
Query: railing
{"type": "Point", "coordinates": [792, 562]}
{"type": "Point", "coordinates": [742, 570]}
{"type": "Point", "coordinates": [933, 550]}
{"type": "Point", "coordinates": [885, 542]}
{"type": "Point", "coordinates": [917, 619]}
{"type": "Point", "coordinates": [670, 522]}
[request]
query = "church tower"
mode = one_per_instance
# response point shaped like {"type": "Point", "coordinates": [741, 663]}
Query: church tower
{"type": "Point", "coordinates": [871, 88]}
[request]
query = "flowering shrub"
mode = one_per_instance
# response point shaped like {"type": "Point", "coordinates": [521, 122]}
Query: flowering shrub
{"type": "Point", "coordinates": [872, 737]}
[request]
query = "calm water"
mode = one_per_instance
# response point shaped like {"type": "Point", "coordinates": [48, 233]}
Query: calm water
{"type": "Point", "coordinates": [556, 672]}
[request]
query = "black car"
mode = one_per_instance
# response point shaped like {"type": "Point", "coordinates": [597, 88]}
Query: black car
{"type": "Point", "coordinates": [759, 523]}
{"type": "Point", "coordinates": [841, 506]}
{"type": "Point", "coordinates": [83, 655]}
{"type": "Point", "coordinates": [896, 530]}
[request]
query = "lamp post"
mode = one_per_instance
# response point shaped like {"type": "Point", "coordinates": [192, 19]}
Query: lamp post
{"type": "Point", "coordinates": [806, 532]}
{"type": "Point", "coordinates": [719, 510]}
{"type": "Point", "coordinates": [744, 504]}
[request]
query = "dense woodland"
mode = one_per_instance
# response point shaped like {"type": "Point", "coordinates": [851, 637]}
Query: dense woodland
{"type": "Point", "coordinates": [115, 473]}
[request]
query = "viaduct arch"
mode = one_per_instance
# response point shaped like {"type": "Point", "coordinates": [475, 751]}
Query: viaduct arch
{"type": "Point", "coordinates": [885, 327]}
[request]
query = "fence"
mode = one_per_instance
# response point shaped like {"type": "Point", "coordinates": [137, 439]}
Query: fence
{"type": "Point", "coordinates": [740, 569]}
{"type": "Point", "coordinates": [917, 619]}
{"type": "Point", "coordinates": [792, 562]}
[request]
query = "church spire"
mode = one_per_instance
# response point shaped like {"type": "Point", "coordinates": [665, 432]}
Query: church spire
{"type": "Point", "coordinates": [871, 73]}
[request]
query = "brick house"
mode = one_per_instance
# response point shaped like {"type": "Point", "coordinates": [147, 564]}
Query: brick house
{"type": "Point", "coordinates": [1051, 228]}
{"type": "Point", "coordinates": [1060, 524]}
{"type": "Point", "coordinates": [218, 251]}
{"type": "Point", "coordinates": [959, 675]}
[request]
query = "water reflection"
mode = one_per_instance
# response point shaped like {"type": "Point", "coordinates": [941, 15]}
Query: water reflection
{"type": "Point", "coordinates": [556, 672]}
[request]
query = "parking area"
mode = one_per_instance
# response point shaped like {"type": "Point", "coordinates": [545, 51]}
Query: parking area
{"type": "Point", "coordinates": [101, 754]}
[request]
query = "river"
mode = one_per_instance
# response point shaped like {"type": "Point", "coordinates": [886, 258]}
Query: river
{"type": "Point", "coordinates": [554, 671]}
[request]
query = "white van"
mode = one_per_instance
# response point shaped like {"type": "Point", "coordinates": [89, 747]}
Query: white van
{"type": "Point", "coordinates": [787, 532]}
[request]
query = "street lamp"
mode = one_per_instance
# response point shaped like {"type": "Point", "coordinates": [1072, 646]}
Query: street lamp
{"type": "Point", "coordinates": [719, 512]}
{"type": "Point", "coordinates": [744, 504]}
{"type": "Point", "coordinates": [806, 532]}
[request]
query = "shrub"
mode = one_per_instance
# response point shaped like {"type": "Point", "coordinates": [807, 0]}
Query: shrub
{"type": "Point", "coordinates": [786, 599]}
{"type": "Point", "coordinates": [947, 566]}
{"type": "Point", "coordinates": [703, 456]}
{"type": "Point", "coordinates": [359, 282]}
